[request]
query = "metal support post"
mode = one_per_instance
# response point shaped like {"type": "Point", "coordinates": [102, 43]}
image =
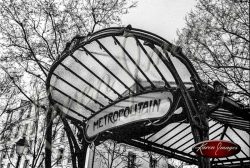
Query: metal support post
{"type": "Point", "coordinates": [18, 161]}
{"type": "Point", "coordinates": [48, 138]}
{"type": "Point", "coordinates": [77, 151]}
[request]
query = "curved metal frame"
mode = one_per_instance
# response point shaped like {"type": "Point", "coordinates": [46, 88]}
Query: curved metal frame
{"type": "Point", "coordinates": [198, 118]}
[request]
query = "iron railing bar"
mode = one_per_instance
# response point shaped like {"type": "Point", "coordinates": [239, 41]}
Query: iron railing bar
{"type": "Point", "coordinates": [221, 136]}
{"type": "Point", "coordinates": [112, 56]}
{"type": "Point", "coordinates": [216, 130]}
{"type": "Point", "coordinates": [232, 120]}
{"type": "Point", "coordinates": [217, 122]}
{"type": "Point", "coordinates": [227, 157]}
{"type": "Point", "coordinates": [131, 59]}
{"type": "Point", "coordinates": [223, 132]}
{"type": "Point", "coordinates": [242, 126]}
{"type": "Point", "coordinates": [151, 135]}
{"type": "Point", "coordinates": [240, 137]}
{"type": "Point", "coordinates": [86, 82]}
{"type": "Point", "coordinates": [177, 103]}
{"type": "Point", "coordinates": [181, 138]}
{"type": "Point", "coordinates": [220, 110]}
{"type": "Point", "coordinates": [186, 147]}
{"type": "Point", "coordinates": [233, 160]}
{"type": "Point", "coordinates": [69, 109]}
{"type": "Point", "coordinates": [78, 61]}
{"type": "Point", "coordinates": [89, 53]}
{"type": "Point", "coordinates": [238, 123]}
{"type": "Point", "coordinates": [192, 138]}
{"type": "Point", "coordinates": [94, 100]}
{"type": "Point", "coordinates": [191, 110]}
{"type": "Point", "coordinates": [187, 98]}
{"type": "Point", "coordinates": [175, 134]}
{"type": "Point", "coordinates": [152, 62]}
{"type": "Point", "coordinates": [71, 98]}
{"type": "Point", "coordinates": [227, 115]}
{"type": "Point", "coordinates": [163, 147]}
{"type": "Point", "coordinates": [213, 124]}
{"type": "Point", "coordinates": [167, 132]}
{"type": "Point", "coordinates": [222, 162]}
{"type": "Point", "coordinates": [240, 150]}
{"type": "Point", "coordinates": [216, 136]}
{"type": "Point", "coordinates": [163, 59]}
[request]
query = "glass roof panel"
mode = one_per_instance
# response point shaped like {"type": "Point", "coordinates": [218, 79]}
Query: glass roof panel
{"type": "Point", "coordinates": [158, 61]}
{"type": "Point", "coordinates": [163, 132]}
{"type": "Point", "coordinates": [108, 68]}
{"type": "Point", "coordinates": [69, 112]}
{"type": "Point", "coordinates": [67, 102]}
{"type": "Point", "coordinates": [181, 69]}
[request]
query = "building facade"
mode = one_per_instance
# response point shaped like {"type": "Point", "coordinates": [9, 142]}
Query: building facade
{"type": "Point", "coordinates": [28, 121]}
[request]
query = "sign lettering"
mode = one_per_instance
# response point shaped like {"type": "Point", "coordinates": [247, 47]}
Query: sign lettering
{"type": "Point", "coordinates": [216, 148]}
{"type": "Point", "coordinates": [141, 107]}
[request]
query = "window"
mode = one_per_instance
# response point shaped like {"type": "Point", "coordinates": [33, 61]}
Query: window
{"type": "Point", "coordinates": [62, 136]}
{"type": "Point", "coordinates": [11, 129]}
{"type": "Point", "coordinates": [21, 114]}
{"type": "Point", "coordinates": [33, 128]}
{"type": "Point", "coordinates": [42, 128]}
{"type": "Point", "coordinates": [8, 116]}
{"type": "Point", "coordinates": [24, 103]}
{"type": "Point", "coordinates": [29, 112]}
{"type": "Point", "coordinates": [4, 154]}
{"type": "Point", "coordinates": [17, 131]}
{"type": "Point", "coordinates": [2, 137]}
{"type": "Point", "coordinates": [42, 165]}
{"type": "Point", "coordinates": [60, 156]}
{"type": "Point", "coordinates": [131, 160]}
{"type": "Point", "coordinates": [152, 162]}
{"type": "Point", "coordinates": [56, 121]}
{"type": "Point", "coordinates": [25, 129]}
{"type": "Point", "coordinates": [69, 159]}
{"type": "Point", "coordinates": [54, 133]}
{"type": "Point", "coordinates": [30, 146]}
{"type": "Point", "coordinates": [74, 129]}
{"type": "Point", "coordinates": [12, 151]}
{"type": "Point", "coordinates": [26, 164]}
{"type": "Point", "coordinates": [39, 142]}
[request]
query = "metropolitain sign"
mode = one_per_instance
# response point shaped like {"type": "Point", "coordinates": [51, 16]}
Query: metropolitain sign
{"type": "Point", "coordinates": [129, 110]}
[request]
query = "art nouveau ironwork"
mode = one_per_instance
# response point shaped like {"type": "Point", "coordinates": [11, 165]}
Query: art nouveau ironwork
{"type": "Point", "coordinates": [100, 76]}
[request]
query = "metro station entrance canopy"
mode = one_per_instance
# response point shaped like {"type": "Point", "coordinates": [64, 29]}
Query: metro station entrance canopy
{"type": "Point", "coordinates": [135, 87]}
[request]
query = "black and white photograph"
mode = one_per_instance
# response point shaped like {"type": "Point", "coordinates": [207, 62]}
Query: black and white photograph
{"type": "Point", "coordinates": [124, 84]}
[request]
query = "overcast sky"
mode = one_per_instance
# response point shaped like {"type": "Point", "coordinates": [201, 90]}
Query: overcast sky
{"type": "Point", "coordinates": [162, 17]}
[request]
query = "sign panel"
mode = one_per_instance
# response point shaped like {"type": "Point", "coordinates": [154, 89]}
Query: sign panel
{"type": "Point", "coordinates": [216, 148]}
{"type": "Point", "coordinates": [132, 109]}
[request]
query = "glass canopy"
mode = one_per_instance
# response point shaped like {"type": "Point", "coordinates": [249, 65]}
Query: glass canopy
{"type": "Point", "coordinates": [105, 67]}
